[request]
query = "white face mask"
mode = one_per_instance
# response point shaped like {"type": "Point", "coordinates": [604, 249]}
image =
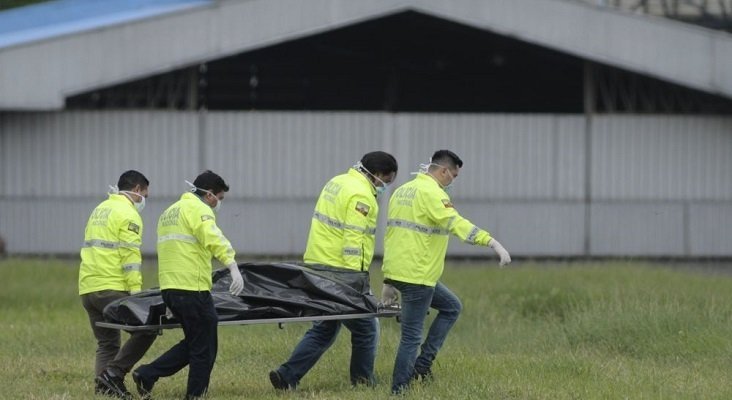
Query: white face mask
{"type": "Point", "coordinates": [138, 206]}
{"type": "Point", "coordinates": [379, 189]}
{"type": "Point", "coordinates": [452, 180]}
{"type": "Point", "coordinates": [215, 208]}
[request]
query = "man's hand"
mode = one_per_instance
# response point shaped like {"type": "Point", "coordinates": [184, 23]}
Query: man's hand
{"type": "Point", "coordinates": [389, 295]}
{"type": "Point", "coordinates": [237, 282]}
{"type": "Point", "coordinates": [502, 253]}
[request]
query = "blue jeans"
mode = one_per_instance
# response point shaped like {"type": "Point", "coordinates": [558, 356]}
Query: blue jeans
{"type": "Point", "coordinates": [416, 301]}
{"type": "Point", "coordinates": [364, 338]}
{"type": "Point", "coordinates": [197, 350]}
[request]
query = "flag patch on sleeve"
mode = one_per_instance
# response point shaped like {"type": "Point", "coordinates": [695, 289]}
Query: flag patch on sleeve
{"type": "Point", "coordinates": [447, 203]}
{"type": "Point", "coordinates": [363, 209]}
{"type": "Point", "coordinates": [133, 227]}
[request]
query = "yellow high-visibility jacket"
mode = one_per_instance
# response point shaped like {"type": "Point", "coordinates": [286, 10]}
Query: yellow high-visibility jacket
{"type": "Point", "coordinates": [110, 256]}
{"type": "Point", "coordinates": [421, 219]}
{"type": "Point", "coordinates": [343, 228]}
{"type": "Point", "coordinates": [187, 239]}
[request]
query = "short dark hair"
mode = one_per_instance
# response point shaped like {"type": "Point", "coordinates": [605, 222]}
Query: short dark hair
{"type": "Point", "coordinates": [210, 181]}
{"type": "Point", "coordinates": [379, 162]}
{"type": "Point", "coordinates": [129, 179]}
{"type": "Point", "coordinates": [447, 158]}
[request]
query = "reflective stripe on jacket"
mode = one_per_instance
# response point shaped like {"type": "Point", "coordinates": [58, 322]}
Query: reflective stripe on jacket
{"type": "Point", "coordinates": [187, 240]}
{"type": "Point", "coordinates": [343, 227]}
{"type": "Point", "coordinates": [110, 254]}
{"type": "Point", "coordinates": [421, 218]}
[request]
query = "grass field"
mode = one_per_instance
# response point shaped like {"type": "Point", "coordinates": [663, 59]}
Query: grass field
{"type": "Point", "coordinates": [534, 331]}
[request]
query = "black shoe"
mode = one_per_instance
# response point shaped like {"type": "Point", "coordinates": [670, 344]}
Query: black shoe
{"type": "Point", "coordinates": [399, 390]}
{"type": "Point", "coordinates": [363, 381]}
{"type": "Point", "coordinates": [114, 385]}
{"type": "Point", "coordinates": [423, 375]}
{"type": "Point", "coordinates": [278, 381]}
{"type": "Point", "coordinates": [143, 387]}
{"type": "Point", "coordinates": [99, 389]}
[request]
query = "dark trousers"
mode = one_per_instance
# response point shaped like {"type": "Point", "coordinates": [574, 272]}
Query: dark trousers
{"type": "Point", "coordinates": [364, 338]}
{"type": "Point", "coordinates": [109, 354]}
{"type": "Point", "coordinates": [197, 315]}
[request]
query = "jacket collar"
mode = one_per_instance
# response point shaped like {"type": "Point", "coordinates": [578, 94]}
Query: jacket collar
{"type": "Point", "coordinates": [361, 177]}
{"type": "Point", "coordinates": [428, 177]}
{"type": "Point", "coordinates": [121, 198]}
{"type": "Point", "coordinates": [191, 196]}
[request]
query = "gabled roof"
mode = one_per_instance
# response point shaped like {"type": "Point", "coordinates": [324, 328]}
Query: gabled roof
{"type": "Point", "coordinates": [82, 52]}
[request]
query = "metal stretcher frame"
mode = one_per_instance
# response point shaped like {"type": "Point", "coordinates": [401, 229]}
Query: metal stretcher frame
{"type": "Point", "coordinates": [383, 313]}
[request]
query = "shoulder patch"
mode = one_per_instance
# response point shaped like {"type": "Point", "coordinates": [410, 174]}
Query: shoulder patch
{"type": "Point", "coordinates": [447, 203]}
{"type": "Point", "coordinates": [362, 208]}
{"type": "Point", "coordinates": [133, 227]}
{"type": "Point", "coordinates": [205, 218]}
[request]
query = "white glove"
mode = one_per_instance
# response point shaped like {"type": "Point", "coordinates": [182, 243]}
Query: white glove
{"type": "Point", "coordinates": [502, 253]}
{"type": "Point", "coordinates": [389, 295]}
{"type": "Point", "coordinates": [237, 282]}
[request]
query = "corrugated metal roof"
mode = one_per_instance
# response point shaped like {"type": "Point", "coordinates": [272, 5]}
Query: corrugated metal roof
{"type": "Point", "coordinates": [61, 17]}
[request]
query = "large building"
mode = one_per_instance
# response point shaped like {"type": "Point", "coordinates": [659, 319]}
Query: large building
{"type": "Point", "coordinates": [586, 130]}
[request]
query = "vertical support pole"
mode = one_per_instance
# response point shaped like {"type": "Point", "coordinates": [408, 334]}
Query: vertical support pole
{"type": "Point", "coordinates": [3, 145]}
{"type": "Point", "coordinates": [192, 95]}
{"type": "Point", "coordinates": [687, 229]}
{"type": "Point", "coordinates": [202, 140]}
{"type": "Point", "coordinates": [202, 112]}
{"type": "Point", "coordinates": [589, 110]}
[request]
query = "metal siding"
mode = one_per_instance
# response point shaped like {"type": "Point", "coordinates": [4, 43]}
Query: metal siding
{"type": "Point", "coordinates": [662, 158]}
{"type": "Point", "coordinates": [57, 226]}
{"type": "Point", "coordinates": [50, 225]}
{"type": "Point", "coordinates": [648, 171]}
{"type": "Point", "coordinates": [711, 225]}
{"type": "Point", "coordinates": [263, 227]}
{"type": "Point", "coordinates": [568, 173]}
{"type": "Point", "coordinates": [44, 225]}
{"type": "Point", "coordinates": [629, 229]}
{"type": "Point", "coordinates": [506, 156]}
{"type": "Point", "coordinates": [4, 157]}
{"type": "Point", "coordinates": [287, 155]}
{"type": "Point", "coordinates": [525, 228]}
{"type": "Point", "coordinates": [50, 154]}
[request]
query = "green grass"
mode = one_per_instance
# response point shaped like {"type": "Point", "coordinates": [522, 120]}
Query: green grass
{"type": "Point", "coordinates": [534, 331]}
